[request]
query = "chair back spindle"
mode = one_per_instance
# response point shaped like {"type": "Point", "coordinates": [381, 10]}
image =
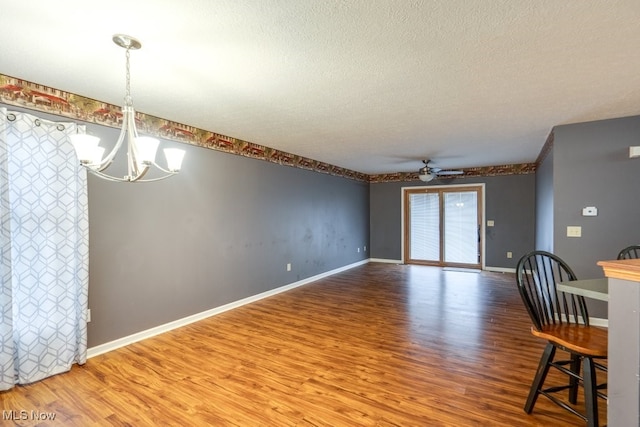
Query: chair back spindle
{"type": "Point", "coordinates": [538, 273]}
{"type": "Point", "coordinates": [630, 252]}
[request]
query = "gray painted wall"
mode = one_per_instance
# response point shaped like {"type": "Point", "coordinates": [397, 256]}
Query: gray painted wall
{"type": "Point", "coordinates": [510, 202]}
{"type": "Point", "coordinates": [222, 230]}
{"type": "Point", "coordinates": [385, 219]}
{"type": "Point", "coordinates": [544, 204]}
{"type": "Point", "coordinates": [591, 167]}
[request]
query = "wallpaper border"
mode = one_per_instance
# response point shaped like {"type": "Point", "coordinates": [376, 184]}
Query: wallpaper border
{"type": "Point", "coordinates": [34, 96]}
{"type": "Point", "coordinates": [518, 169]}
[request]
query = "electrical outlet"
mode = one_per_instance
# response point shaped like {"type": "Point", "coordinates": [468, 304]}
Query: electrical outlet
{"type": "Point", "coordinates": [509, 254]}
{"type": "Point", "coordinates": [574, 231]}
{"type": "Point", "coordinates": [358, 250]}
{"type": "Point", "coordinates": [289, 267]}
{"type": "Point", "coordinates": [365, 249]}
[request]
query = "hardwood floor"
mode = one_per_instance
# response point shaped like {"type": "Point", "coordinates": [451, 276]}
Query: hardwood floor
{"type": "Point", "coordinates": [378, 345]}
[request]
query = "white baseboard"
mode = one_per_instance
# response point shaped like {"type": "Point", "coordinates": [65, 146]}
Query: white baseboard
{"type": "Point", "coordinates": [388, 261]}
{"type": "Point", "coordinates": [500, 269]}
{"type": "Point", "coordinates": [593, 321]}
{"type": "Point", "coordinates": [139, 336]}
{"type": "Point", "coordinates": [597, 321]}
{"type": "Point", "coordinates": [399, 261]}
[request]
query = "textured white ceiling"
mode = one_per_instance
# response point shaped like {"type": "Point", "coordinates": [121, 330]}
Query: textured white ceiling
{"type": "Point", "coordinates": [371, 85]}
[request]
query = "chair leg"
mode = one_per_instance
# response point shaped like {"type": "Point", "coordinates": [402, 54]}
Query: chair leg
{"type": "Point", "coordinates": [541, 374]}
{"type": "Point", "coordinates": [590, 392]}
{"type": "Point", "coordinates": [574, 382]}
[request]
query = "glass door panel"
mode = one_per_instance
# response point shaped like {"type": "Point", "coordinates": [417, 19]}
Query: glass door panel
{"type": "Point", "coordinates": [425, 226]}
{"type": "Point", "coordinates": [461, 227]}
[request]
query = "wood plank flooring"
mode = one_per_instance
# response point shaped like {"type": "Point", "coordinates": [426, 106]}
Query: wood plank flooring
{"type": "Point", "coordinates": [378, 345]}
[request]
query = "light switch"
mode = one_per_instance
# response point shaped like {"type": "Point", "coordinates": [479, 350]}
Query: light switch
{"type": "Point", "coordinates": [490, 223]}
{"type": "Point", "coordinates": [574, 231]}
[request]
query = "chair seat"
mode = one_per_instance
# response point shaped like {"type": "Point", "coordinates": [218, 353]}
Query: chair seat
{"type": "Point", "coordinates": [586, 340]}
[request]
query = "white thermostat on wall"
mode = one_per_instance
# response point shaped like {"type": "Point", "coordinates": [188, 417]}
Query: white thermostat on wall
{"type": "Point", "coordinates": [590, 211]}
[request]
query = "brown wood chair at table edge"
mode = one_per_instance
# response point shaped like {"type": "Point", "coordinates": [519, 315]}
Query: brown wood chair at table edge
{"type": "Point", "coordinates": [630, 252]}
{"type": "Point", "coordinates": [555, 316]}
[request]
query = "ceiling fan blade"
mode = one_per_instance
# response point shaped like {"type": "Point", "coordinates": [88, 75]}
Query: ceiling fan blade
{"type": "Point", "coordinates": [451, 172]}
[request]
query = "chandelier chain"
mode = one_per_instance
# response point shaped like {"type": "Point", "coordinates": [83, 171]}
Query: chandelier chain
{"type": "Point", "coordinates": [127, 98]}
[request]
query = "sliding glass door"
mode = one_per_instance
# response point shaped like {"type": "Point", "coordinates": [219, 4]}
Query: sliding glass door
{"type": "Point", "coordinates": [442, 226]}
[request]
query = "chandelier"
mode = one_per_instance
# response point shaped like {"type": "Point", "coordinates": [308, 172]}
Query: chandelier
{"type": "Point", "coordinates": [141, 150]}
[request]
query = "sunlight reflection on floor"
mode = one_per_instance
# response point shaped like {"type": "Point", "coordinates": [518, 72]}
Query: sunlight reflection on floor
{"type": "Point", "coordinates": [445, 305]}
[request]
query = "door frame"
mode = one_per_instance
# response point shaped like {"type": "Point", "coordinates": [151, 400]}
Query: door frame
{"type": "Point", "coordinates": [479, 186]}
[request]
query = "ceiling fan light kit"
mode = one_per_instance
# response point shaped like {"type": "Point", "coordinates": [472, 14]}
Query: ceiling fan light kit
{"type": "Point", "coordinates": [428, 173]}
{"type": "Point", "coordinates": [424, 174]}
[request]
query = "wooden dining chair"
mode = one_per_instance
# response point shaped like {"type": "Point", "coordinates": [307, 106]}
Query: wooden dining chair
{"type": "Point", "coordinates": [630, 252]}
{"type": "Point", "coordinates": [562, 320]}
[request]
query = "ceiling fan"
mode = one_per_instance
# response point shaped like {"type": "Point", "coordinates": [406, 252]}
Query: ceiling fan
{"type": "Point", "coordinates": [427, 173]}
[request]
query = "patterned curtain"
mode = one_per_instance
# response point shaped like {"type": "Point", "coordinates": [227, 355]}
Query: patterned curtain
{"type": "Point", "coordinates": [44, 250]}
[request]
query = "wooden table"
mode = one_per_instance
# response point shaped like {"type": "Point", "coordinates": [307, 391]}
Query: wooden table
{"type": "Point", "coordinates": [590, 288]}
